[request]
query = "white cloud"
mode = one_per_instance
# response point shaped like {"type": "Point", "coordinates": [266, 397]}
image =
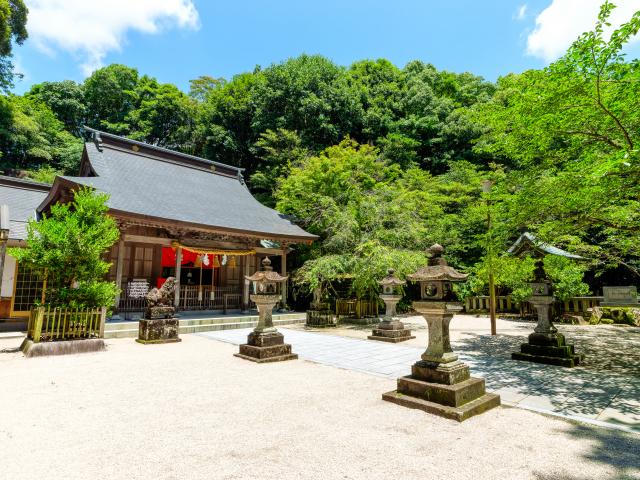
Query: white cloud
{"type": "Point", "coordinates": [522, 12]}
{"type": "Point", "coordinates": [92, 28]}
{"type": "Point", "coordinates": [558, 25]}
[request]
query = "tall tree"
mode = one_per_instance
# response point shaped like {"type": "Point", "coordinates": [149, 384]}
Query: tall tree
{"type": "Point", "coordinates": [65, 99]}
{"type": "Point", "coordinates": [13, 28]}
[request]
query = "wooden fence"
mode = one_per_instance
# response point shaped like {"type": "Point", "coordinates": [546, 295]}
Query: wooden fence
{"type": "Point", "coordinates": [48, 324]}
{"type": "Point", "coordinates": [356, 308]}
{"type": "Point", "coordinates": [504, 304]}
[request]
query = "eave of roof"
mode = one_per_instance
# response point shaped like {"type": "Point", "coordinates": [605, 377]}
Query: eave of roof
{"type": "Point", "coordinates": [528, 239]}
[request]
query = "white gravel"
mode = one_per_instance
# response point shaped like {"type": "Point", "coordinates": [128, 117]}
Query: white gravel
{"type": "Point", "coordinates": [193, 411]}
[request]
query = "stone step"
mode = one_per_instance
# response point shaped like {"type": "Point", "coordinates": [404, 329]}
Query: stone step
{"type": "Point", "coordinates": [569, 362]}
{"type": "Point", "coordinates": [195, 325]}
{"type": "Point", "coordinates": [475, 407]}
{"type": "Point", "coordinates": [454, 395]}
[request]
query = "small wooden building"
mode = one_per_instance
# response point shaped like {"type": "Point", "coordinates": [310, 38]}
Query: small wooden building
{"type": "Point", "coordinates": [179, 215]}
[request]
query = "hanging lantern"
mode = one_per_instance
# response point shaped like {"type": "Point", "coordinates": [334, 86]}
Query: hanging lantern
{"type": "Point", "coordinates": [198, 262]}
{"type": "Point", "coordinates": [205, 260]}
{"type": "Point", "coordinates": [216, 262]}
{"type": "Point", "coordinates": [232, 262]}
{"type": "Point", "coordinates": [224, 259]}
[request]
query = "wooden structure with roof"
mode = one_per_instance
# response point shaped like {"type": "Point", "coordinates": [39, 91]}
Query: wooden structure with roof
{"type": "Point", "coordinates": [178, 215]}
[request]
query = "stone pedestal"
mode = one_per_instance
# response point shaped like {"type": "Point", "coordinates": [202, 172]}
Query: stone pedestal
{"type": "Point", "coordinates": [545, 344]}
{"type": "Point", "coordinates": [320, 316]}
{"type": "Point", "coordinates": [265, 343]}
{"type": "Point", "coordinates": [390, 329]}
{"type": "Point", "coordinates": [158, 330]}
{"type": "Point", "coordinates": [440, 383]}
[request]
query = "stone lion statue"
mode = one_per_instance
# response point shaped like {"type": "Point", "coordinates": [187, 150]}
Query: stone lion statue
{"type": "Point", "coordinates": [162, 296]}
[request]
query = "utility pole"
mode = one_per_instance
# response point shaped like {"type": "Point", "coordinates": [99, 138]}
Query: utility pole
{"type": "Point", "coordinates": [486, 188]}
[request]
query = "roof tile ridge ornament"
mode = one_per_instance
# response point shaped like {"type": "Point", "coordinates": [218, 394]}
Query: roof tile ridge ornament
{"type": "Point", "coordinates": [97, 139]}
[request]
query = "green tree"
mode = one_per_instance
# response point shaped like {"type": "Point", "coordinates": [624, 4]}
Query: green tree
{"type": "Point", "coordinates": [277, 152]}
{"type": "Point", "coordinates": [162, 115]}
{"type": "Point", "coordinates": [65, 99]}
{"type": "Point", "coordinates": [13, 28]}
{"type": "Point", "coordinates": [309, 95]}
{"type": "Point", "coordinates": [31, 136]}
{"type": "Point", "coordinates": [571, 131]}
{"type": "Point", "coordinates": [110, 96]}
{"type": "Point", "coordinates": [69, 245]}
{"type": "Point", "coordinates": [200, 87]}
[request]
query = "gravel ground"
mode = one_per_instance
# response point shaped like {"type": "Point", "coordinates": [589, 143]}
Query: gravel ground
{"type": "Point", "coordinates": [193, 411]}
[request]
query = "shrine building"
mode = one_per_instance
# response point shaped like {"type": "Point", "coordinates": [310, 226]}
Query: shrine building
{"type": "Point", "coordinates": [178, 215]}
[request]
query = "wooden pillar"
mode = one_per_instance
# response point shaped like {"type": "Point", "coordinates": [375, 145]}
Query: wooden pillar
{"type": "Point", "coordinates": [283, 272]}
{"type": "Point", "coordinates": [119, 265]}
{"type": "Point", "coordinates": [245, 290]}
{"type": "Point", "coordinates": [176, 301]}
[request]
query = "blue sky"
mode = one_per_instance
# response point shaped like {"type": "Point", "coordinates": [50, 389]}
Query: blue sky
{"type": "Point", "coordinates": [177, 40]}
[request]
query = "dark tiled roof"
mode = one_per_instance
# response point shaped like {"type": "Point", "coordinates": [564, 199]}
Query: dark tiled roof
{"type": "Point", "coordinates": [23, 197]}
{"type": "Point", "coordinates": [183, 188]}
{"type": "Point", "coordinates": [528, 241]}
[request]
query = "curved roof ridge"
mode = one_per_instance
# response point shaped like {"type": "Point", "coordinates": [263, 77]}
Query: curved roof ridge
{"type": "Point", "coordinates": [166, 151]}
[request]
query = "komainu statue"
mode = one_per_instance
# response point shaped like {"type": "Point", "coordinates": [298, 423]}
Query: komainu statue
{"type": "Point", "coordinates": [163, 295]}
{"type": "Point", "coordinates": [160, 300]}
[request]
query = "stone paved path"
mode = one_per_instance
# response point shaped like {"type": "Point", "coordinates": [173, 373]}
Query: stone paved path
{"type": "Point", "coordinates": [594, 397]}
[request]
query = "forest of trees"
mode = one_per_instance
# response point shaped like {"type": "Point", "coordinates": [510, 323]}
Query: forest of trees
{"type": "Point", "coordinates": [382, 161]}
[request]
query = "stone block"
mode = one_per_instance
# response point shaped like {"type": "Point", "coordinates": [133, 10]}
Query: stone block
{"type": "Point", "coordinates": [161, 330]}
{"type": "Point", "coordinates": [440, 373]}
{"type": "Point", "coordinates": [547, 339]}
{"type": "Point", "coordinates": [265, 339]}
{"type": "Point", "coordinates": [395, 325]}
{"type": "Point", "coordinates": [461, 413]}
{"type": "Point", "coordinates": [161, 311]}
{"type": "Point", "coordinates": [565, 351]}
{"type": "Point", "coordinates": [321, 318]}
{"type": "Point", "coordinates": [568, 362]}
{"type": "Point", "coordinates": [61, 347]}
{"type": "Point", "coordinates": [452, 395]}
{"type": "Point", "coordinates": [274, 353]}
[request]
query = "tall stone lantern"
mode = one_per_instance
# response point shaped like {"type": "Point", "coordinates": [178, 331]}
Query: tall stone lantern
{"type": "Point", "coordinates": [265, 343]}
{"type": "Point", "coordinates": [390, 329]}
{"type": "Point", "coordinates": [440, 383]}
{"type": "Point", "coordinates": [545, 344]}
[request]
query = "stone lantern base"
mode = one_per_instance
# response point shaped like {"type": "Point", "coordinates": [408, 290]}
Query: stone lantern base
{"type": "Point", "coordinates": [443, 389]}
{"type": "Point", "coordinates": [392, 331]}
{"type": "Point", "coordinates": [550, 349]}
{"type": "Point", "coordinates": [266, 347]}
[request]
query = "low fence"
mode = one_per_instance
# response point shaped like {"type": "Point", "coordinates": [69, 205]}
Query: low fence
{"type": "Point", "coordinates": [356, 308]}
{"type": "Point", "coordinates": [210, 298]}
{"type": "Point", "coordinates": [47, 324]}
{"type": "Point", "coordinates": [504, 304]}
{"type": "Point", "coordinates": [192, 297]}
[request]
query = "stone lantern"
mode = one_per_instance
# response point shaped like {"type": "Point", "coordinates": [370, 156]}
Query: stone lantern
{"type": "Point", "coordinates": [545, 344]}
{"type": "Point", "coordinates": [440, 383]}
{"type": "Point", "coordinates": [265, 343]}
{"type": "Point", "coordinates": [390, 329]}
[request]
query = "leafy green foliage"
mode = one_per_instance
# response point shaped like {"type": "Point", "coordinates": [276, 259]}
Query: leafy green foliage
{"type": "Point", "coordinates": [13, 21]}
{"type": "Point", "coordinates": [69, 245]}
{"type": "Point", "coordinates": [571, 131]}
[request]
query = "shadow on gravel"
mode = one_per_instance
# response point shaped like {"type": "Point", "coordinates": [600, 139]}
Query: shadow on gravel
{"type": "Point", "coordinates": [620, 451]}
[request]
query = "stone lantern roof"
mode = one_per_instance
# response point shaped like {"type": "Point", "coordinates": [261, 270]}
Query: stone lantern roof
{"type": "Point", "coordinates": [391, 279]}
{"type": "Point", "coordinates": [266, 274]}
{"type": "Point", "coordinates": [437, 268]}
